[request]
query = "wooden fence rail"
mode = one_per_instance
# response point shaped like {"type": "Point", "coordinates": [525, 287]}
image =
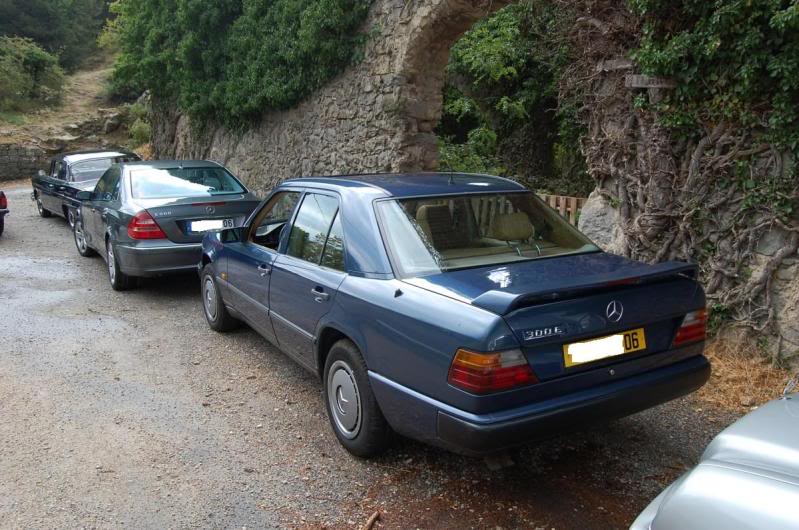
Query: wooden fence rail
{"type": "Point", "coordinates": [568, 207]}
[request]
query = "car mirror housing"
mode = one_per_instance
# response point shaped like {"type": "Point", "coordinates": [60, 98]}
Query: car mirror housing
{"type": "Point", "coordinates": [84, 195]}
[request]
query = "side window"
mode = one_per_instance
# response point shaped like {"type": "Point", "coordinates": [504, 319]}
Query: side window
{"type": "Point", "coordinates": [333, 254]}
{"type": "Point", "coordinates": [272, 218]}
{"type": "Point", "coordinates": [310, 229]}
{"type": "Point", "coordinates": [108, 185]}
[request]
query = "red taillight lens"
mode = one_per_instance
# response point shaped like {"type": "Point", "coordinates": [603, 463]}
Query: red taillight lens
{"type": "Point", "coordinates": [3, 201]}
{"type": "Point", "coordinates": [482, 373]}
{"type": "Point", "coordinates": [693, 328]}
{"type": "Point", "coordinates": [143, 226]}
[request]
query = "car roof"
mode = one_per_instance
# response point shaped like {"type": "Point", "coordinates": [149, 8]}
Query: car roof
{"type": "Point", "coordinates": [90, 154]}
{"type": "Point", "coordinates": [167, 164]}
{"type": "Point", "coordinates": [415, 184]}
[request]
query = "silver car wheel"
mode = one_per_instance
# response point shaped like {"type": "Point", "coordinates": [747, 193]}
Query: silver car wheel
{"type": "Point", "coordinates": [344, 400]}
{"type": "Point", "coordinates": [39, 207]}
{"type": "Point", "coordinates": [209, 299]}
{"type": "Point", "coordinates": [112, 269]}
{"type": "Point", "coordinates": [71, 218]}
{"type": "Point", "coordinates": [80, 239]}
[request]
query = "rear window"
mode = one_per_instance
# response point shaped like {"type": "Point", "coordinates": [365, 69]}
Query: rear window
{"type": "Point", "coordinates": [176, 182]}
{"type": "Point", "coordinates": [93, 169]}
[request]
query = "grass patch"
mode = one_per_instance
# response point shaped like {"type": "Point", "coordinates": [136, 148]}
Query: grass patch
{"type": "Point", "coordinates": [742, 376]}
{"type": "Point", "coordinates": [13, 118]}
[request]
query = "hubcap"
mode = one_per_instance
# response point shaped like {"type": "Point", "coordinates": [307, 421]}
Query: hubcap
{"type": "Point", "coordinates": [80, 241]}
{"type": "Point", "coordinates": [39, 206]}
{"type": "Point", "coordinates": [71, 218]}
{"type": "Point", "coordinates": [210, 298]}
{"type": "Point", "coordinates": [344, 399]}
{"type": "Point", "coordinates": [112, 270]}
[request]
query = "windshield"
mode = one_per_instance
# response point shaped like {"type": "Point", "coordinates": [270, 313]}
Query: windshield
{"type": "Point", "coordinates": [151, 183]}
{"type": "Point", "coordinates": [436, 234]}
{"type": "Point", "coordinates": [90, 169]}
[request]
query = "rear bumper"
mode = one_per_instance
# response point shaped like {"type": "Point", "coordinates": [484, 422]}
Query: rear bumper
{"type": "Point", "coordinates": [420, 417]}
{"type": "Point", "coordinates": [157, 258]}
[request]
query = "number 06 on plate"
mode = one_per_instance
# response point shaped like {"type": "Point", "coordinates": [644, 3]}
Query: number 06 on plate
{"type": "Point", "coordinates": [604, 347]}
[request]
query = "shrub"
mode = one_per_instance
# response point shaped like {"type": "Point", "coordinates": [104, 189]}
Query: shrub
{"type": "Point", "coordinates": [140, 132]}
{"type": "Point", "coordinates": [231, 60]}
{"type": "Point", "coordinates": [29, 76]}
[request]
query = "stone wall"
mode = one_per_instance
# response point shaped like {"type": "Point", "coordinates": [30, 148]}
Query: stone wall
{"type": "Point", "coordinates": [21, 162]}
{"type": "Point", "coordinates": [378, 115]}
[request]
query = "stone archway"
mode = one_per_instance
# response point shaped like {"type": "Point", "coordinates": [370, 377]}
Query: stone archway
{"type": "Point", "coordinates": [378, 115]}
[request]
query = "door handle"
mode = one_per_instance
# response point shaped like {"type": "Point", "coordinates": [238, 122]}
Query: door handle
{"type": "Point", "coordinates": [264, 269]}
{"type": "Point", "coordinates": [319, 295]}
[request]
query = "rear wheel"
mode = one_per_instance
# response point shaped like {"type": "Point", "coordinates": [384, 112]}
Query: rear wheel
{"type": "Point", "coordinates": [351, 406]}
{"type": "Point", "coordinates": [2, 224]}
{"type": "Point", "coordinates": [80, 240]}
{"type": "Point", "coordinates": [216, 314]}
{"type": "Point", "coordinates": [119, 280]}
{"type": "Point", "coordinates": [43, 212]}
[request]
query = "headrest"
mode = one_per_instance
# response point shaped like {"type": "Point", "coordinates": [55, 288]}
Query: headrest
{"type": "Point", "coordinates": [433, 212]}
{"type": "Point", "coordinates": [512, 227]}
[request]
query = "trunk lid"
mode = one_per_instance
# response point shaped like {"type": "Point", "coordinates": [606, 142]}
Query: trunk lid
{"type": "Point", "coordinates": [551, 302]}
{"type": "Point", "coordinates": [175, 216]}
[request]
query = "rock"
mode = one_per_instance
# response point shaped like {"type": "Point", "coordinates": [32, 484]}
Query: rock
{"type": "Point", "coordinates": [111, 124]}
{"type": "Point", "coordinates": [599, 220]}
{"type": "Point", "coordinates": [747, 401]}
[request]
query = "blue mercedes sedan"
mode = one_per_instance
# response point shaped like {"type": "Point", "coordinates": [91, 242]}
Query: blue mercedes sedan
{"type": "Point", "coordinates": [455, 309]}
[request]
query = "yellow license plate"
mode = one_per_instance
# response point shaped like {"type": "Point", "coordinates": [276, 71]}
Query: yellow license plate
{"type": "Point", "coordinates": [596, 349]}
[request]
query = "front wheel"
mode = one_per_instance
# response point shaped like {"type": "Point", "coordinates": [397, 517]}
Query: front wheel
{"type": "Point", "coordinates": [119, 280]}
{"type": "Point", "coordinates": [216, 314]}
{"type": "Point", "coordinates": [43, 212]}
{"type": "Point", "coordinates": [80, 240]}
{"type": "Point", "coordinates": [71, 217]}
{"type": "Point", "coordinates": [351, 406]}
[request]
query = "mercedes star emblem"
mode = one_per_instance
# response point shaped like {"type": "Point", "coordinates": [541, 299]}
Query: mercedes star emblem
{"type": "Point", "coordinates": [614, 311]}
{"type": "Point", "coordinates": [209, 210]}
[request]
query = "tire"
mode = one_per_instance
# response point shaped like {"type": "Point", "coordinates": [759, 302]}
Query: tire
{"type": "Point", "coordinates": [80, 240]}
{"type": "Point", "coordinates": [2, 224]}
{"type": "Point", "coordinates": [216, 314]}
{"type": "Point", "coordinates": [43, 212]}
{"type": "Point", "coordinates": [119, 280]}
{"type": "Point", "coordinates": [351, 406]}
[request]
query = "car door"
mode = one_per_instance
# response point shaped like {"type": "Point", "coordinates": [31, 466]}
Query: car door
{"type": "Point", "coordinates": [248, 261]}
{"type": "Point", "coordinates": [105, 197]}
{"type": "Point", "coordinates": [51, 184]}
{"type": "Point", "coordinates": [306, 275]}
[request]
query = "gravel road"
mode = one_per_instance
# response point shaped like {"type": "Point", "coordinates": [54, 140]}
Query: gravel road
{"type": "Point", "coordinates": [125, 410]}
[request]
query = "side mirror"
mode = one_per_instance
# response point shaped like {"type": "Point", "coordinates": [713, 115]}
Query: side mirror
{"type": "Point", "coordinates": [231, 235]}
{"type": "Point", "coordinates": [41, 173]}
{"type": "Point", "coordinates": [84, 196]}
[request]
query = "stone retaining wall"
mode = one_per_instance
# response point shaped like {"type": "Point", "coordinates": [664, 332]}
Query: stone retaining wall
{"type": "Point", "coordinates": [19, 162]}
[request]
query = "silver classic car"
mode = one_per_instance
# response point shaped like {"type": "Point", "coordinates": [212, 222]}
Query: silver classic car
{"type": "Point", "coordinates": [747, 478]}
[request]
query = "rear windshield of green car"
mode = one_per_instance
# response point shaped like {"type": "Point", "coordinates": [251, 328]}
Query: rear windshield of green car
{"type": "Point", "coordinates": [151, 183]}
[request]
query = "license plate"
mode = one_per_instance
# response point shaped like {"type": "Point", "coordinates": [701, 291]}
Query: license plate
{"type": "Point", "coordinates": [211, 224]}
{"type": "Point", "coordinates": [604, 347]}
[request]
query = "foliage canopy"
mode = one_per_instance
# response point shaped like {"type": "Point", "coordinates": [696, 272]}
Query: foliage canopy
{"type": "Point", "coordinates": [229, 60]}
{"type": "Point", "coordinates": [29, 75]}
{"type": "Point", "coordinates": [66, 28]}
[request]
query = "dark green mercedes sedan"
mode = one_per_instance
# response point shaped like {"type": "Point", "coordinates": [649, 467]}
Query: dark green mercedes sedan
{"type": "Point", "coordinates": [148, 218]}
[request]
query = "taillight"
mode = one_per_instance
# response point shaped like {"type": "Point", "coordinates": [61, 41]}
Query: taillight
{"type": "Point", "coordinates": [3, 201]}
{"type": "Point", "coordinates": [482, 373]}
{"type": "Point", "coordinates": [143, 226]}
{"type": "Point", "coordinates": [693, 328]}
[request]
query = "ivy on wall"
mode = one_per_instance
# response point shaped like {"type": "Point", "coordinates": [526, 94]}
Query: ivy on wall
{"type": "Point", "coordinates": [230, 60]}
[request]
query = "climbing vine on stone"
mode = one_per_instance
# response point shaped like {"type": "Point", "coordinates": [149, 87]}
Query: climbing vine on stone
{"type": "Point", "coordinates": [705, 171]}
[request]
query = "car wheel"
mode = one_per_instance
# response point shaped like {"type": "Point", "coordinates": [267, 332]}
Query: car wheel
{"type": "Point", "coordinates": [43, 212]}
{"type": "Point", "coordinates": [351, 406]}
{"type": "Point", "coordinates": [80, 240]}
{"type": "Point", "coordinates": [71, 217]}
{"type": "Point", "coordinates": [216, 314]}
{"type": "Point", "coordinates": [119, 280]}
{"type": "Point", "coordinates": [2, 224]}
